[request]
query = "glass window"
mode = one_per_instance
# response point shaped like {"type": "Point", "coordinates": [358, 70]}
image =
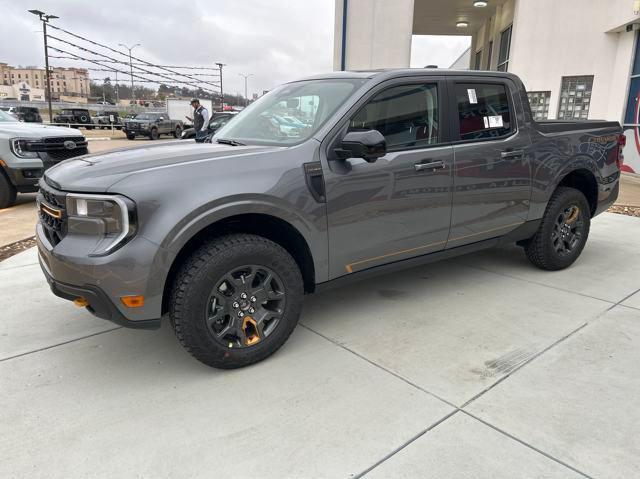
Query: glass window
{"type": "Point", "coordinates": [539, 101]}
{"type": "Point", "coordinates": [631, 118]}
{"type": "Point", "coordinates": [505, 48]}
{"type": "Point", "coordinates": [290, 113]}
{"type": "Point", "coordinates": [407, 115]}
{"type": "Point", "coordinates": [575, 97]}
{"type": "Point", "coordinates": [483, 111]}
{"type": "Point", "coordinates": [478, 64]}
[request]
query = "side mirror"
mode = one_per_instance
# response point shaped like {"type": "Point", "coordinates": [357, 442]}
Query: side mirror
{"type": "Point", "coordinates": [368, 145]}
{"type": "Point", "coordinates": [160, 119]}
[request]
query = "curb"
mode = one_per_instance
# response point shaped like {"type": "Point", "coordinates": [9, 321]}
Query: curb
{"type": "Point", "coordinates": [100, 138]}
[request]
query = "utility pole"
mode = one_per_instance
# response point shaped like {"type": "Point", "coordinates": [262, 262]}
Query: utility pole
{"type": "Point", "coordinates": [117, 96]}
{"type": "Point", "coordinates": [44, 18]}
{"type": "Point", "coordinates": [133, 97]}
{"type": "Point", "coordinates": [220, 65]}
{"type": "Point", "coordinates": [245, 76]}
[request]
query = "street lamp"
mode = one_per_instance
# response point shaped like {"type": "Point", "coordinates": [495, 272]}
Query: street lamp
{"type": "Point", "coordinates": [130, 64]}
{"type": "Point", "coordinates": [44, 18]}
{"type": "Point", "coordinates": [245, 76]}
{"type": "Point", "coordinates": [220, 65]}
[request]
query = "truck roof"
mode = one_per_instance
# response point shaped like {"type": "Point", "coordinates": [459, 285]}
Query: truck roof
{"type": "Point", "coordinates": [389, 73]}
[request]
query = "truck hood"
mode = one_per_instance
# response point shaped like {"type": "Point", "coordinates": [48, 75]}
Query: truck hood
{"type": "Point", "coordinates": [98, 172]}
{"type": "Point", "coordinates": [35, 130]}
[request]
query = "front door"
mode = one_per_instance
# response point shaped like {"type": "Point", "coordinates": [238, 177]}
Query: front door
{"type": "Point", "coordinates": [492, 173]}
{"type": "Point", "coordinates": [399, 206]}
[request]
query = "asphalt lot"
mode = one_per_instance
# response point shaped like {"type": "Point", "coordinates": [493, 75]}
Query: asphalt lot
{"type": "Point", "coordinates": [477, 367]}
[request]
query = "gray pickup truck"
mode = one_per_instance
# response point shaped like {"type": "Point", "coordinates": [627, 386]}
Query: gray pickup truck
{"type": "Point", "coordinates": [392, 169]}
{"type": "Point", "coordinates": [152, 125]}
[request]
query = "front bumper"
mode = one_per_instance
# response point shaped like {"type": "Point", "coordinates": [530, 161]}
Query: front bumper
{"type": "Point", "coordinates": [99, 303]}
{"type": "Point", "coordinates": [102, 281]}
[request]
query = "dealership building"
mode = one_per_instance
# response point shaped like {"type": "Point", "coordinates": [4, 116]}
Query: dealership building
{"type": "Point", "coordinates": [579, 59]}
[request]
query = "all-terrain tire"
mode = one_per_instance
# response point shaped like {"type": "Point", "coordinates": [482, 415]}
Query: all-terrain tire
{"type": "Point", "coordinates": [189, 303]}
{"type": "Point", "coordinates": [177, 132]}
{"type": "Point", "coordinates": [8, 192]}
{"type": "Point", "coordinates": [131, 137]}
{"type": "Point", "coordinates": [540, 248]}
{"type": "Point", "coordinates": [154, 135]}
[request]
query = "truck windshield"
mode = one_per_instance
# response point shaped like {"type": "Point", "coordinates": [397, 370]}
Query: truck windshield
{"type": "Point", "coordinates": [6, 117]}
{"type": "Point", "coordinates": [290, 113]}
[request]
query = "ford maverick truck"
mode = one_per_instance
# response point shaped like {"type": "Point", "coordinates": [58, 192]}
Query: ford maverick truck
{"type": "Point", "coordinates": [387, 170]}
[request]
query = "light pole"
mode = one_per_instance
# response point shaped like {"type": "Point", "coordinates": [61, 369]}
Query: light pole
{"type": "Point", "coordinates": [44, 18]}
{"type": "Point", "coordinates": [220, 65]}
{"type": "Point", "coordinates": [133, 97]}
{"type": "Point", "coordinates": [245, 76]}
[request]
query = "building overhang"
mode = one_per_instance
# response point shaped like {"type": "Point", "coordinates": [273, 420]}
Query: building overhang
{"type": "Point", "coordinates": [439, 17]}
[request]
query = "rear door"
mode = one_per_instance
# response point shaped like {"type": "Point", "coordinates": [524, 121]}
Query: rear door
{"type": "Point", "coordinates": [492, 172]}
{"type": "Point", "coordinates": [400, 206]}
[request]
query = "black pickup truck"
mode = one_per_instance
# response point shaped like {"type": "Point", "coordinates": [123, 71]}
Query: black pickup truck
{"type": "Point", "coordinates": [393, 169]}
{"type": "Point", "coordinates": [152, 125]}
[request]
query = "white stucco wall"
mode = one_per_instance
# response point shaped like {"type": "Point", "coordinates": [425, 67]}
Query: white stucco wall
{"type": "Point", "coordinates": [378, 34]}
{"type": "Point", "coordinates": [573, 41]}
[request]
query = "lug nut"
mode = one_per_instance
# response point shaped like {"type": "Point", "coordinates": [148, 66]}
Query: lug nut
{"type": "Point", "coordinates": [240, 314]}
{"type": "Point", "coordinates": [243, 295]}
{"type": "Point", "coordinates": [236, 304]}
{"type": "Point", "coordinates": [253, 299]}
{"type": "Point", "coordinates": [251, 310]}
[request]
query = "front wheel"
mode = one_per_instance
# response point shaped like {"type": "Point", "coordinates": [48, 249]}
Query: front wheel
{"type": "Point", "coordinates": [154, 135]}
{"type": "Point", "coordinates": [177, 132]}
{"type": "Point", "coordinates": [236, 300]}
{"type": "Point", "coordinates": [131, 136]}
{"type": "Point", "coordinates": [563, 231]}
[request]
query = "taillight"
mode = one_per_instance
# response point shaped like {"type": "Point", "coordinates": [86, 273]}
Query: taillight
{"type": "Point", "coordinates": [622, 142]}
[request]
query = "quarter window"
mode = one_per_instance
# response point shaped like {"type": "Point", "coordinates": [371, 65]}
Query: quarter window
{"type": "Point", "coordinates": [483, 111]}
{"type": "Point", "coordinates": [406, 115]}
{"type": "Point", "coordinates": [539, 101]}
{"type": "Point", "coordinates": [575, 97]}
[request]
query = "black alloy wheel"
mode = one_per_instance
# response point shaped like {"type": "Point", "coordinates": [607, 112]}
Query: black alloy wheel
{"type": "Point", "coordinates": [245, 306]}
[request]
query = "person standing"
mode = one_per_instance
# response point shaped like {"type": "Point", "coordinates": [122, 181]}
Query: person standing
{"type": "Point", "coordinates": [200, 120]}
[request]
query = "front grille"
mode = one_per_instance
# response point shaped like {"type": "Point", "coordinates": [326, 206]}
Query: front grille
{"type": "Point", "coordinates": [133, 126]}
{"type": "Point", "coordinates": [55, 229]}
{"type": "Point", "coordinates": [56, 150]}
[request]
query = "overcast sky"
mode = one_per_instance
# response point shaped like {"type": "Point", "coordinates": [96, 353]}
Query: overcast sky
{"type": "Point", "coordinates": [275, 40]}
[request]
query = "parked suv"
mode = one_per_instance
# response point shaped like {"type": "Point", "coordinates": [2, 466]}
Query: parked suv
{"type": "Point", "coordinates": [74, 117]}
{"type": "Point", "coordinates": [152, 125]}
{"type": "Point", "coordinates": [394, 169]}
{"type": "Point", "coordinates": [27, 149]}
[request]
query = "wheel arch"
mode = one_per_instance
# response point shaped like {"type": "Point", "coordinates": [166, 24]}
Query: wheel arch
{"type": "Point", "coordinates": [261, 224]}
{"type": "Point", "coordinates": [583, 180]}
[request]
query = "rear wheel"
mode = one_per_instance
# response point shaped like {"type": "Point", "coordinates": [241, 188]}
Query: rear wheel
{"type": "Point", "coordinates": [8, 192]}
{"type": "Point", "coordinates": [236, 300]}
{"type": "Point", "coordinates": [563, 231]}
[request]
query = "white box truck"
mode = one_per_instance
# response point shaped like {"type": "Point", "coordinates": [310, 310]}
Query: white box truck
{"type": "Point", "coordinates": [178, 109]}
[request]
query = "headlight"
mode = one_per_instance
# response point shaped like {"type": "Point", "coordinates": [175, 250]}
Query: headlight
{"type": "Point", "coordinates": [20, 148]}
{"type": "Point", "coordinates": [108, 217]}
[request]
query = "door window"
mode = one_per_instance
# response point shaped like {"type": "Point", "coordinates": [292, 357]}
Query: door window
{"type": "Point", "coordinates": [406, 115]}
{"type": "Point", "coordinates": [483, 111]}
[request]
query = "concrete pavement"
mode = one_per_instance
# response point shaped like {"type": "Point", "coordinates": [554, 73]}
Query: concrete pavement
{"type": "Point", "coordinates": [477, 367]}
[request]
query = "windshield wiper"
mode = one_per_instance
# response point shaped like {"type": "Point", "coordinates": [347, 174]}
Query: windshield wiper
{"type": "Point", "coordinates": [226, 141]}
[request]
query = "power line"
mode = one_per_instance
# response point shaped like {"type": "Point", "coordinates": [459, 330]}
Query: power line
{"type": "Point", "coordinates": [120, 62]}
{"type": "Point", "coordinates": [121, 53]}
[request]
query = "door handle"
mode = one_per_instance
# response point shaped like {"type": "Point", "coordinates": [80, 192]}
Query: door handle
{"type": "Point", "coordinates": [432, 165]}
{"type": "Point", "coordinates": [511, 153]}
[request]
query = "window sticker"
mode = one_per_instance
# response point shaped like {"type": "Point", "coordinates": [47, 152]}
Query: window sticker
{"type": "Point", "coordinates": [473, 98]}
{"type": "Point", "coordinates": [493, 121]}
